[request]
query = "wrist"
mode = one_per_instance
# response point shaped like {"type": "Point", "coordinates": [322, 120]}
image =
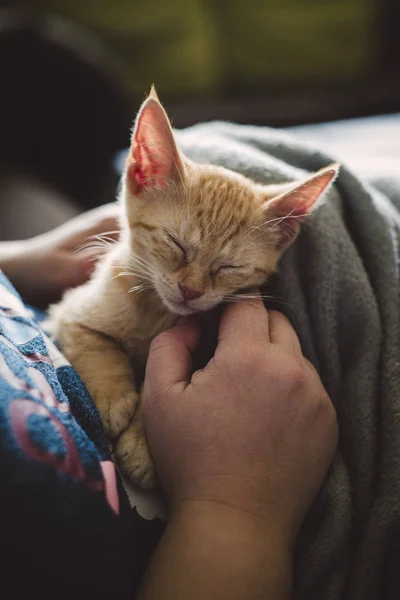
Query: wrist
{"type": "Point", "coordinates": [263, 532]}
{"type": "Point", "coordinates": [241, 547]}
{"type": "Point", "coordinates": [243, 498]}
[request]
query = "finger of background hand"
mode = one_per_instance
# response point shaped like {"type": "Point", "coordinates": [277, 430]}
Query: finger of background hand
{"type": "Point", "coordinates": [170, 356]}
{"type": "Point", "coordinates": [74, 269]}
{"type": "Point", "coordinates": [244, 321]}
{"type": "Point", "coordinates": [107, 219]}
{"type": "Point", "coordinates": [282, 333]}
{"type": "Point", "coordinates": [102, 221]}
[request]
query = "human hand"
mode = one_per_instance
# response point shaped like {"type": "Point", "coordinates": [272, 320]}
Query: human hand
{"type": "Point", "coordinates": [254, 431]}
{"type": "Point", "coordinates": [42, 267]}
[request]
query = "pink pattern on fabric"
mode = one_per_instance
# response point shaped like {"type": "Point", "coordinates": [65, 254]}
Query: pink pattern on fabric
{"type": "Point", "coordinates": [32, 357]}
{"type": "Point", "coordinates": [20, 410]}
{"type": "Point", "coordinates": [110, 481]}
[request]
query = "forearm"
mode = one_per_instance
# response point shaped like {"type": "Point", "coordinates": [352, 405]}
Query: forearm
{"type": "Point", "coordinates": [11, 257]}
{"type": "Point", "coordinates": [24, 265]}
{"type": "Point", "coordinates": [9, 251]}
{"type": "Point", "coordinates": [215, 553]}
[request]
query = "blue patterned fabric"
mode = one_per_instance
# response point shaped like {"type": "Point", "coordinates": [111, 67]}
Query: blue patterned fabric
{"type": "Point", "coordinates": [61, 506]}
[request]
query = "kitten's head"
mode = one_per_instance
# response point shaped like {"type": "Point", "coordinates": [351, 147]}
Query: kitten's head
{"type": "Point", "coordinates": [200, 233]}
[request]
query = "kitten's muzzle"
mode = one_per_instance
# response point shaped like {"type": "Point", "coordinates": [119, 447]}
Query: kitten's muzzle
{"type": "Point", "coordinates": [188, 293]}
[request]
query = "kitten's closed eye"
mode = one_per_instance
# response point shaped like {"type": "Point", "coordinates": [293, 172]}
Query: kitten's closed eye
{"type": "Point", "coordinates": [228, 268]}
{"type": "Point", "coordinates": [178, 245]}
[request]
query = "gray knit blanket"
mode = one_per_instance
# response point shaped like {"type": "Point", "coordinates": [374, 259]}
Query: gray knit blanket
{"type": "Point", "coordinates": [339, 286]}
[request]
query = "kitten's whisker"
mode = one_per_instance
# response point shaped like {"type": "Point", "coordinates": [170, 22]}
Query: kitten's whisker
{"type": "Point", "coordinates": [227, 300]}
{"type": "Point", "coordinates": [143, 264]}
{"type": "Point", "coordinates": [101, 239]}
{"type": "Point", "coordinates": [132, 273]}
{"type": "Point", "coordinates": [136, 289]}
{"type": "Point", "coordinates": [128, 272]}
{"type": "Point", "coordinates": [111, 232]}
{"type": "Point", "coordinates": [253, 296]}
{"type": "Point", "coordinates": [106, 234]}
{"type": "Point", "coordinates": [276, 221]}
{"type": "Point", "coordinates": [138, 260]}
{"type": "Point", "coordinates": [96, 257]}
{"type": "Point", "coordinates": [106, 240]}
{"type": "Point", "coordinates": [238, 298]}
{"type": "Point", "coordinates": [145, 275]}
{"type": "Point", "coordinates": [280, 219]}
{"type": "Point", "coordinates": [142, 268]}
{"type": "Point", "coordinates": [142, 260]}
{"type": "Point", "coordinates": [89, 245]}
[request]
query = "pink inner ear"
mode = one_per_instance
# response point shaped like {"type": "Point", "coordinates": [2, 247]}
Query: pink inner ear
{"type": "Point", "coordinates": [154, 156]}
{"type": "Point", "coordinates": [297, 203]}
{"type": "Point", "coordinates": [288, 230]}
{"type": "Point", "coordinates": [300, 200]}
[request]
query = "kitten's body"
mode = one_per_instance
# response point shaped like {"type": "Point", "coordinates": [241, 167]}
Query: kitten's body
{"type": "Point", "coordinates": [192, 235]}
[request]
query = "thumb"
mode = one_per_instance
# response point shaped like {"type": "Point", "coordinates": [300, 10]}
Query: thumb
{"type": "Point", "coordinates": [169, 362]}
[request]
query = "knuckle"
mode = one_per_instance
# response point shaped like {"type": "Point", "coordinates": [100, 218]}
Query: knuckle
{"type": "Point", "coordinates": [324, 407]}
{"type": "Point", "coordinates": [329, 411]}
{"type": "Point", "coordinates": [328, 422]}
{"type": "Point", "coordinates": [296, 375]}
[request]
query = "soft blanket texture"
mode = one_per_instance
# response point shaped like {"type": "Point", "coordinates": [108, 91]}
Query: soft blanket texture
{"type": "Point", "coordinates": [339, 285]}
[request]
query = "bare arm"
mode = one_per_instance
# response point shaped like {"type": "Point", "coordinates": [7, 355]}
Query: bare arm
{"type": "Point", "coordinates": [42, 267]}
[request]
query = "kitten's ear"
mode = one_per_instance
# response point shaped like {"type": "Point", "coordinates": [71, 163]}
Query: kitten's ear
{"type": "Point", "coordinates": [287, 210]}
{"type": "Point", "coordinates": [153, 157]}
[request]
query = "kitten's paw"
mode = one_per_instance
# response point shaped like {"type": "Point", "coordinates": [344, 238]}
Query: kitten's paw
{"type": "Point", "coordinates": [132, 454]}
{"type": "Point", "coordinates": [117, 414]}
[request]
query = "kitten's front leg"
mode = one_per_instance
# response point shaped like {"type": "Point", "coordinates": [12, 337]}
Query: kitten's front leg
{"type": "Point", "coordinates": [132, 452]}
{"type": "Point", "coordinates": [109, 377]}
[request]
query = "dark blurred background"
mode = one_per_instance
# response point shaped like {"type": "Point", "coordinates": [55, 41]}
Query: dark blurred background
{"type": "Point", "coordinates": [73, 73]}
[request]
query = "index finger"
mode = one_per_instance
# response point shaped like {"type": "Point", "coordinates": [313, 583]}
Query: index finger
{"type": "Point", "coordinates": [245, 321]}
{"type": "Point", "coordinates": [283, 333]}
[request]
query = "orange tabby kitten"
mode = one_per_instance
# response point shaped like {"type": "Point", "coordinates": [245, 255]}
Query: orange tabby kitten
{"type": "Point", "coordinates": [192, 235]}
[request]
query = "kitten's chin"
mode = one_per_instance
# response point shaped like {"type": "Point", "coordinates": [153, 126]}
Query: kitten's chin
{"type": "Point", "coordinates": [178, 308]}
{"type": "Point", "coordinates": [182, 309]}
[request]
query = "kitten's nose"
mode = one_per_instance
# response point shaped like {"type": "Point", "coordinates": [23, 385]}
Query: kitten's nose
{"type": "Point", "coordinates": [188, 293]}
